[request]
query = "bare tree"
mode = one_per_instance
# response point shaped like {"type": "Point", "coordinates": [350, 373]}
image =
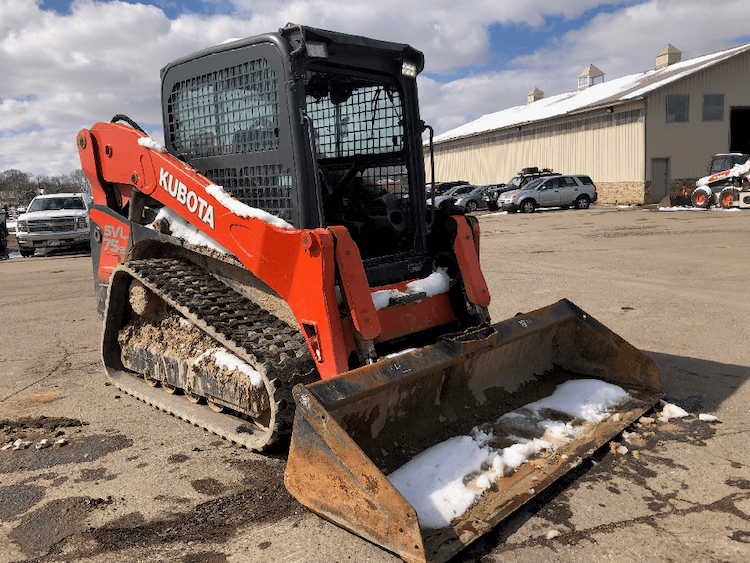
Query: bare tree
{"type": "Point", "coordinates": [21, 184]}
{"type": "Point", "coordinates": [25, 186]}
{"type": "Point", "coordinates": [79, 180]}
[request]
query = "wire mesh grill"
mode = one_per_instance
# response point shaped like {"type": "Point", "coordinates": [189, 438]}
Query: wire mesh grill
{"type": "Point", "coordinates": [267, 187]}
{"type": "Point", "coordinates": [369, 121]}
{"type": "Point", "coordinates": [393, 179]}
{"type": "Point", "coordinates": [230, 111]}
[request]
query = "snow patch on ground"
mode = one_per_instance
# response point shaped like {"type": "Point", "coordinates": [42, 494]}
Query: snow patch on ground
{"type": "Point", "coordinates": [685, 208]}
{"type": "Point", "coordinates": [672, 411]}
{"type": "Point", "coordinates": [444, 481]}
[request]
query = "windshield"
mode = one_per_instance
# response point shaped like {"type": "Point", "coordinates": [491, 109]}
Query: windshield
{"type": "Point", "coordinates": [451, 191]}
{"type": "Point", "coordinates": [358, 125]}
{"type": "Point", "coordinates": [726, 162]}
{"type": "Point", "coordinates": [533, 184]}
{"type": "Point", "coordinates": [56, 204]}
{"type": "Point", "coordinates": [464, 190]}
{"type": "Point", "coordinates": [514, 182]}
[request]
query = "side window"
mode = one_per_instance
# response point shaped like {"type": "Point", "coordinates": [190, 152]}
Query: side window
{"type": "Point", "coordinates": [585, 180]}
{"type": "Point", "coordinates": [713, 107]}
{"type": "Point", "coordinates": [570, 182]}
{"type": "Point", "coordinates": [552, 183]}
{"type": "Point", "coordinates": [677, 109]}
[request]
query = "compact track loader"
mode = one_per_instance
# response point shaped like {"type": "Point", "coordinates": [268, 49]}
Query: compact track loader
{"type": "Point", "coordinates": [276, 269]}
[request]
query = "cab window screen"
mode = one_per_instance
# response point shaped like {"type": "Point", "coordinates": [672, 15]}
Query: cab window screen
{"type": "Point", "coordinates": [230, 111]}
{"type": "Point", "coordinates": [366, 120]}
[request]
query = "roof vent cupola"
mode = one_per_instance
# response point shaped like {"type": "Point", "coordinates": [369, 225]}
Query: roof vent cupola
{"type": "Point", "coordinates": [534, 95]}
{"type": "Point", "coordinates": [667, 56]}
{"type": "Point", "coordinates": [590, 76]}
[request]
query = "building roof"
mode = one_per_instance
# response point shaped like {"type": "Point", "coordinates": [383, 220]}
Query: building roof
{"type": "Point", "coordinates": [617, 91]}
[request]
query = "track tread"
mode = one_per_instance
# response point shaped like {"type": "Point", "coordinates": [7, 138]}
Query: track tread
{"type": "Point", "coordinates": [272, 347]}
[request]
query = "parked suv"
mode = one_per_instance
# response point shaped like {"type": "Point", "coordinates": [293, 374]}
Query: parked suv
{"type": "Point", "coordinates": [54, 220]}
{"type": "Point", "coordinates": [555, 191]}
{"type": "Point", "coordinates": [518, 181]}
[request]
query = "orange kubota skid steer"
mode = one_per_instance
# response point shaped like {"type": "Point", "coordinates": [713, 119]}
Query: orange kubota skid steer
{"type": "Point", "coordinates": [277, 269]}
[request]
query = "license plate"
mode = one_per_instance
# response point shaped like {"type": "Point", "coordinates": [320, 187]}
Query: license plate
{"type": "Point", "coordinates": [53, 243]}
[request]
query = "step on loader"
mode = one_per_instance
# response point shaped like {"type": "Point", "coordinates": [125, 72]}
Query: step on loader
{"type": "Point", "coordinates": [276, 274]}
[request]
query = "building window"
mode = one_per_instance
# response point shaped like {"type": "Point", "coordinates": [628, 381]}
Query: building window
{"type": "Point", "coordinates": [677, 109]}
{"type": "Point", "coordinates": [713, 107]}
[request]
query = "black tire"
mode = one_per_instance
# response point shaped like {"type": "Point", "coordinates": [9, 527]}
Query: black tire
{"type": "Point", "coordinates": [527, 206]}
{"type": "Point", "coordinates": [700, 199]}
{"type": "Point", "coordinates": [582, 202]}
{"type": "Point", "coordinates": [471, 206]}
{"type": "Point", "coordinates": [26, 252]}
{"type": "Point", "coordinates": [727, 198]}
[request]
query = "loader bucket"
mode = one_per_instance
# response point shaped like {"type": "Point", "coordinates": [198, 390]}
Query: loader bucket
{"type": "Point", "coordinates": [475, 400]}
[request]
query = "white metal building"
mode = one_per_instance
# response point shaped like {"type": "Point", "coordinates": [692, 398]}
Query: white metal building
{"type": "Point", "coordinates": [640, 137]}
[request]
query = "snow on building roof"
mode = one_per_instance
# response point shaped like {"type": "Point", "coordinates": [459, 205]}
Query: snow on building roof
{"type": "Point", "coordinates": [605, 94]}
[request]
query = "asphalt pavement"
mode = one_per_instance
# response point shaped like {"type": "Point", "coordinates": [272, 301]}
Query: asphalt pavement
{"type": "Point", "coordinates": [117, 480]}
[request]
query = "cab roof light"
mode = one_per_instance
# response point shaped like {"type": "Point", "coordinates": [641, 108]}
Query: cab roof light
{"type": "Point", "coordinates": [316, 50]}
{"type": "Point", "coordinates": [409, 69]}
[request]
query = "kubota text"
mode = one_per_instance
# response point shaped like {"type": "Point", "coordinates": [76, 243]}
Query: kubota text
{"type": "Point", "coordinates": [194, 203]}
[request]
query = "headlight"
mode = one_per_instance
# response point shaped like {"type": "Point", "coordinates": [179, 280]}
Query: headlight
{"type": "Point", "coordinates": [82, 223]}
{"type": "Point", "coordinates": [409, 69]}
{"type": "Point", "coordinates": [21, 227]}
{"type": "Point", "coordinates": [316, 50]}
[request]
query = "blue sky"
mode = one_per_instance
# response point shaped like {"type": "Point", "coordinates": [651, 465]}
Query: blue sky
{"type": "Point", "coordinates": [70, 63]}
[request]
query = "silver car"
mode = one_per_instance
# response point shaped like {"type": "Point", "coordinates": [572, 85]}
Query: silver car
{"type": "Point", "coordinates": [472, 199]}
{"type": "Point", "coordinates": [467, 196]}
{"type": "Point", "coordinates": [54, 220]}
{"type": "Point", "coordinates": [564, 191]}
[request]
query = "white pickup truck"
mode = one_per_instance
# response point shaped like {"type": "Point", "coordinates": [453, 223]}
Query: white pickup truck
{"type": "Point", "coordinates": [54, 220]}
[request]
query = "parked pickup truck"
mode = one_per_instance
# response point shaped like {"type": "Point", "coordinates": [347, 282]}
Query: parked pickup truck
{"type": "Point", "coordinates": [54, 220]}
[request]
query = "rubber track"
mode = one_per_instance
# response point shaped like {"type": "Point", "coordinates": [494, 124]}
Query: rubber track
{"type": "Point", "coordinates": [273, 348]}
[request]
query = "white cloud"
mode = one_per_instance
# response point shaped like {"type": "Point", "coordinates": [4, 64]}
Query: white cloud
{"type": "Point", "coordinates": [620, 43]}
{"type": "Point", "coordinates": [62, 72]}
